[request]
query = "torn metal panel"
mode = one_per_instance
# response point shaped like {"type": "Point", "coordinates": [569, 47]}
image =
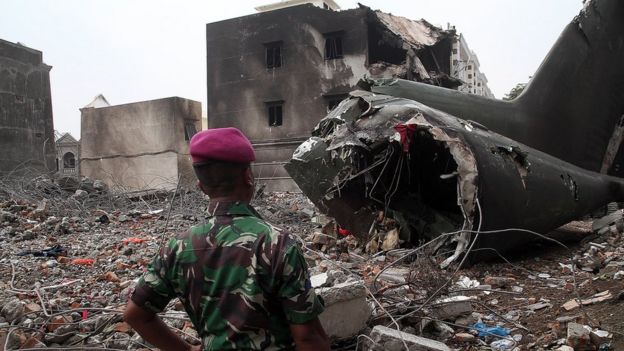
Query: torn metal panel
{"type": "Point", "coordinates": [615, 142]}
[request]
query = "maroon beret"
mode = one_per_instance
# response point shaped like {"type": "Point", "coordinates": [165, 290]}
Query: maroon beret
{"type": "Point", "coordinates": [221, 144]}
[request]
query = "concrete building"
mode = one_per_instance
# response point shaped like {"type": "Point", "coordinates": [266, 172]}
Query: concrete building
{"type": "Point", "coordinates": [67, 156]}
{"type": "Point", "coordinates": [324, 4]}
{"type": "Point", "coordinates": [465, 67]}
{"type": "Point", "coordinates": [275, 74]}
{"type": "Point", "coordinates": [26, 125]}
{"type": "Point", "coordinates": [139, 146]}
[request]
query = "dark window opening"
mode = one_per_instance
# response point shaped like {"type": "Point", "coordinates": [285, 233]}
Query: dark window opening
{"type": "Point", "coordinates": [69, 160]}
{"type": "Point", "coordinates": [333, 46]}
{"type": "Point", "coordinates": [189, 131]}
{"type": "Point", "coordinates": [470, 76]}
{"type": "Point", "coordinates": [380, 49]}
{"type": "Point", "coordinates": [469, 66]}
{"type": "Point", "coordinates": [333, 101]}
{"type": "Point", "coordinates": [274, 110]}
{"type": "Point", "coordinates": [274, 54]}
{"type": "Point", "coordinates": [478, 84]}
{"type": "Point", "coordinates": [455, 62]}
{"type": "Point", "coordinates": [455, 51]}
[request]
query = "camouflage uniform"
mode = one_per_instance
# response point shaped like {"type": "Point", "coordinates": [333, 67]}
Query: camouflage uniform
{"type": "Point", "coordinates": [241, 280]}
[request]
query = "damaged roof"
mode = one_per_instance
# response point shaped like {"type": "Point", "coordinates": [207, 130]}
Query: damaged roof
{"type": "Point", "coordinates": [417, 34]}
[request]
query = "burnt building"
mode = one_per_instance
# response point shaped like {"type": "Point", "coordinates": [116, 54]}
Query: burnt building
{"type": "Point", "coordinates": [141, 145]}
{"type": "Point", "coordinates": [26, 125]}
{"type": "Point", "coordinates": [275, 74]}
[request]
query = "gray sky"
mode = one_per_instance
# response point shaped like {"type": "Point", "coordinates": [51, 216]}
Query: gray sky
{"type": "Point", "coordinates": [135, 50]}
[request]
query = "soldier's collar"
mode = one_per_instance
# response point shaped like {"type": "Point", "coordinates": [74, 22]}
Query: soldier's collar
{"type": "Point", "coordinates": [236, 208]}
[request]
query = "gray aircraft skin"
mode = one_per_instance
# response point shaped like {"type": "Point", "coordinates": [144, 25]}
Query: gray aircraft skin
{"type": "Point", "coordinates": [438, 160]}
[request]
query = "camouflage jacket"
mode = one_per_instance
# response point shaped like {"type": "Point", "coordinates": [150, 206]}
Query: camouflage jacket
{"type": "Point", "coordinates": [241, 281]}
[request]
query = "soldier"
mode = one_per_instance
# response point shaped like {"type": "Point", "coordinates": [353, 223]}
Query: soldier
{"type": "Point", "coordinates": [243, 282]}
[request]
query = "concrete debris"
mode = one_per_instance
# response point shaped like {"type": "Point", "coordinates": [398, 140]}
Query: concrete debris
{"type": "Point", "coordinates": [395, 275]}
{"type": "Point", "coordinates": [499, 282]}
{"type": "Point", "coordinates": [599, 297]}
{"type": "Point", "coordinates": [88, 281]}
{"type": "Point", "coordinates": [464, 337]}
{"type": "Point", "coordinates": [388, 339]}
{"type": "Point", "coordinates": [12, 310]}
{"type": "Point", "coordinates": [319, 280]}
{"type": "Point", "coordinates": [602, 225]}
{"type": "Point", "coordinates": [391, 240]}
{"type": "Point", "coordinates": [538, 306]}
{"type": "Point", "coordinates": [601, 337]}
{"type": "Point", "coordinates": [346, 309]}
{"type": "Point", "coordinates": [579, 337]}
{"type": "Point", "coordinates": [452, 308]}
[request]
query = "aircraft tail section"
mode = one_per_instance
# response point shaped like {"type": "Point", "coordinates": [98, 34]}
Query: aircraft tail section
{"type": "Point", "coordinates": [572, 109]}
{"type": "Point", "coordinates": [574, 104]}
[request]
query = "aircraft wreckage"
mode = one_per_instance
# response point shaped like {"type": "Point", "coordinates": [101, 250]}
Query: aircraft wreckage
{"type": "Point", "coordinates": [439, 161]}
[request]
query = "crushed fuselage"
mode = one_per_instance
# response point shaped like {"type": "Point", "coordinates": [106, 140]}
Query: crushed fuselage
{"type": "Point", "coordinates": [436, 174]}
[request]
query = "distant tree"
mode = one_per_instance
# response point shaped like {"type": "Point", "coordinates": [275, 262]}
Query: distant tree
{"type": "Point", "coordinates": [515, 91]}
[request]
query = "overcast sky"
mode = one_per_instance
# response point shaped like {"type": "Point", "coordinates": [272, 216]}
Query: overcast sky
{"type": "Point", "coordinates": [135, 50]}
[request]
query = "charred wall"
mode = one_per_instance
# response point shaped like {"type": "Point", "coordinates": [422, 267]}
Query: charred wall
{"type": "Point", "coordinates": [26, 124]}
{"type": "Point", "coordinates": [141, 145]}
{"type": "Point", "coordinates": [240, 86]}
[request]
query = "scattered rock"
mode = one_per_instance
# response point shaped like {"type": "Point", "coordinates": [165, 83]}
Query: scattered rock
{"type": "Point", "coordinates": [346, 309]}
{"type": "Point", "coordinates": [391, 241]}
{"type": "Point", "coordinates": [80, 195]}
{"type": "Point", "coordinates": [579, 337]}
{"type": "Point", "coordinates": [464, 337]}
{"type": "Point", "coordinates": [499, 282]}
{"type": "Point", "coordinates": [12, 310]}
{"type": "Point", "coordinates": [388, 339]}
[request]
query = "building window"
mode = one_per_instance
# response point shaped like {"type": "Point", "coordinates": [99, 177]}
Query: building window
{"type": "Point", "coordinates": [189, 130]}
{"type": "Point", "coordinates": [69, 160]}
{"type": "Point", "coordinates": [454, 51]}
{"type": "Point", "coordinates": [334, 100]}
{"type": "Point", "coordinates": [333, 46]}
{"type": "Point", "coordinates": [275, 111]}
{"type": "Point", "coordinates": [273, 54]}
{"type": "Point", "coordinates": [455, 62]}
{"type": "Point", "coordinates": [478, 84]}
{"type": "Point", "coordinates": [469, 66]}
{"type": "Point", "coordinates": [470, 76]}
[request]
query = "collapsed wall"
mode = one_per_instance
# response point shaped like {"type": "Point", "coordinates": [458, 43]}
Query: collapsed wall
{"type": "Point", "coordinates": [140, 146]}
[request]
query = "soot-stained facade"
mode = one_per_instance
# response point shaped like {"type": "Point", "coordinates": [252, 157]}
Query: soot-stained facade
{"type": "Point", "coordinates": [26, 125]}
{"type": "Point", "coordinates": [275, 74]}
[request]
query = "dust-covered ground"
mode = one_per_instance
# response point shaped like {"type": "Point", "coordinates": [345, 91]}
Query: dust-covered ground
{"type": "Point", "coordinates": [69, 260]}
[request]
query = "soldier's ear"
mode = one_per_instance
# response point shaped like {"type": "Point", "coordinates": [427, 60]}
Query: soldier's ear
{"type": "Point", "coordinates": [248, 177]}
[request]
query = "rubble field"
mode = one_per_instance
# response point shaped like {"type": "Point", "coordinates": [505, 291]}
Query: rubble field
{"type": "Point", "coordinates": [70, 256]}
